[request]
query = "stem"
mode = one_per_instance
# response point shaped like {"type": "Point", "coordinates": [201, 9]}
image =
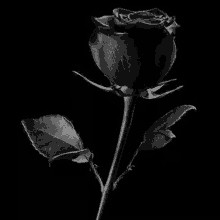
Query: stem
{"type": "Point", "coordinates": [129, 168]}
{"type": "Point", "coordinates": [97, 175]}
{"type": "Point", "coordinates": [129, 106]}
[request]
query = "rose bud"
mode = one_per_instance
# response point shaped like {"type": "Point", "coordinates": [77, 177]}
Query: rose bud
{"type": "Point", "coordinates": [134, 50]}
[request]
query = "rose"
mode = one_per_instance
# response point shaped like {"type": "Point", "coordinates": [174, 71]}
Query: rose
{"type": "Point", "coordinates": [135, 51]}
{"type": "Point", "coordinates": [129, 47]}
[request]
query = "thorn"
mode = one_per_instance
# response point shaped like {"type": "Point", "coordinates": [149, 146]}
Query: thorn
{"type": "Point", "coordinates": [131, 167]}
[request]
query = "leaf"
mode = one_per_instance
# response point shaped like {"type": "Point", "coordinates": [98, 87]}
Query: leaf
{"type": "Point", "coordinates": [158, 135]}
{"type": "Point", "coordinates": [54, 136]}
{"type": "Point", "coordinates": [159, 140]}
{"type": "Point", "coordinates": [83, 158]}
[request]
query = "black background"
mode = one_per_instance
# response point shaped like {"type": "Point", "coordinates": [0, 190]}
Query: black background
{"type": "Point", "coordinates": [51, 41]}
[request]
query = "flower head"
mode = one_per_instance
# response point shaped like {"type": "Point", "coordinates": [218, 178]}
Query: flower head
{"type": "Point", "coordinates": [134, 50]}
